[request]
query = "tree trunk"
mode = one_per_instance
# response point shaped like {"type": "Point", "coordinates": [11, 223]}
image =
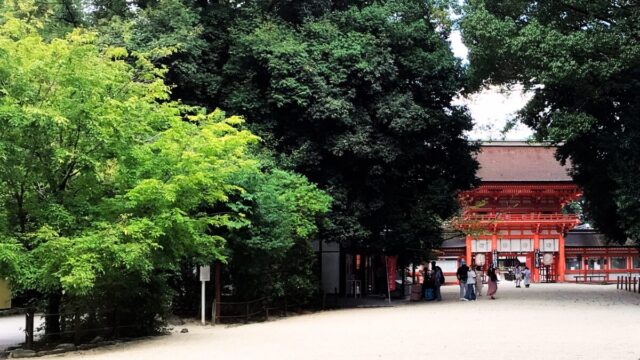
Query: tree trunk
{"type": "Point", "coordinates": [52, 318]}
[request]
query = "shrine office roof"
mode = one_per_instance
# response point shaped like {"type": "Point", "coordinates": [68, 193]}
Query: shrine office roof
{"type": "Point", "coordinates": [520, 161]}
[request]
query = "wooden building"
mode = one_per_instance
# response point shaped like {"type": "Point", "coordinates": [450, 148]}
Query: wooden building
{"type": "Point", "coordinates": [517, 215]}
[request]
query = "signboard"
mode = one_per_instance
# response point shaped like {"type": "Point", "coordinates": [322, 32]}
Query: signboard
{"type": "Point", "coordinates": [391, 271]}
{"type": "Point", "coordinates": [480, 246]}
{"type": "Point", "coordinates": [549, 244]}
{"type": "Point", "coordinates": [205, 273]}
{"type": "Point", "coordinates": [5, 294]}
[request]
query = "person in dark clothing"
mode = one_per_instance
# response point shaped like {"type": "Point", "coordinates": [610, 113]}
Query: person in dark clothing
{"type": "Point", "coordinates": [493, 282]}
{"type": "Point", "coordinates": [438, 280]}
{"type": "Point", "coordinates": [461, 275]}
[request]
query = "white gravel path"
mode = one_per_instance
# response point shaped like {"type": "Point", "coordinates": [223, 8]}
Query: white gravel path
{"type": "Point", "coordinates": [546, 321]}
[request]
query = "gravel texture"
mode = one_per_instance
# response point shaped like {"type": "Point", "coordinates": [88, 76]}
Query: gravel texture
{"type": "Point", "coordinates": [546, 321]}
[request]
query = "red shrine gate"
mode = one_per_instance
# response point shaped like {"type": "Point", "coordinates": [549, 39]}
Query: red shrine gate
{"type": "Point", "coordinates": [516, 214]}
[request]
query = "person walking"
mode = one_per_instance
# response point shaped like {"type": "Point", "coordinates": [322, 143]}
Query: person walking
{"type": "Point", "coordinates": [518, 274]}
{"type": "Point", "coordinates": [526, 276]}
{"type": "Point", "coordinates": [493, 282]}
{"type": "Point", "coordinates": [428, 285]}
{"type": "Point", "coordinates": [461, 275]}
{"type": "Point", "coordinates": [479, 281]}
{"type": "Point", "coordinates": [438, 277]}
{"type": "Point", "coordinates": [471, 284]}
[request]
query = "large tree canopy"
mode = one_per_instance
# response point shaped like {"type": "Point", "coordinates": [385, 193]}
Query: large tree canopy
{"type": "Point", "coordinates": [581, 59]}
{"type": "Point", "coordinates": [354, 94]}
{"type": "Point", "coordinates": [107, 188]}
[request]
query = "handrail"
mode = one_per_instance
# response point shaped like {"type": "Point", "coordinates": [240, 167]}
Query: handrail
{"type": "Point", "coordinates": [241, 302]}
{"type": "Point", "coordinates": [520, 217]}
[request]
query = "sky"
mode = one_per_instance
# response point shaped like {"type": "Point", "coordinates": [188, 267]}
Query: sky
{"type": "Point", "coordinates": [491, 108]}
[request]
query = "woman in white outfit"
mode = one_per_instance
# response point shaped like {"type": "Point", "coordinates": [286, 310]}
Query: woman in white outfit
{"type": "Point", "coordinates": [479, 279]}
{"type": "Point", "coordinates": [518, 274]}
{"type": "Point", "coordinates": [526, 274]}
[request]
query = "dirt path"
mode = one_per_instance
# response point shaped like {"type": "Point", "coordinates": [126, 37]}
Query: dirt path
{"type": "Point", "coordinates": [547, 321]}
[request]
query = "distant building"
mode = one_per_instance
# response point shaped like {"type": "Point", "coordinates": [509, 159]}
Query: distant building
{"type": "Point", "coordinates": [516, 216]}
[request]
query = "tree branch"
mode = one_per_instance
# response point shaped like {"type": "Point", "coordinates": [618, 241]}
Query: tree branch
{"type": "Point", "coordinates": [585, 12]}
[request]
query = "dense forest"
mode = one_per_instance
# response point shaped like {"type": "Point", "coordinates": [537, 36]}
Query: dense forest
{"type": "Point", "coordinates": [119, 173]}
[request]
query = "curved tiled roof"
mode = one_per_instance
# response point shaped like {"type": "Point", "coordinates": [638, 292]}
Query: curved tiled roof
{"type": "Point", "coordinates": [519, 161]}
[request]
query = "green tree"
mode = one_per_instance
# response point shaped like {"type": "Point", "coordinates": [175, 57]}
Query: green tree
{"type": "Point", "coordinates": [356, 95]}
{"type": "Point", "coordinates": [106, 187]}
{"type": "Point", "coordinates": [359, 100]}
{"type": "Point", "coordinates": [580, 59]}
{"type": "Point", "coordinates": [273, 256]}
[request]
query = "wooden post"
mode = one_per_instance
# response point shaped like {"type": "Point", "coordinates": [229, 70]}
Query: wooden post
{"type": "Point", "coordinates": [28, 332]}
{"type": "Point", "coordinates": [536, 247]}
{"type": "Point", "coordinates": [76, 329]}
{"type": "Point", "coordinates": [285, 306]}
{"type": "Point", "coordinates": [561, 259]}
{"type": "Point", "coordinates": [618, 282]}
{"type": "Point", "coordinates": [413, 273]}
{"type": "Point", "coordinates": [403, 282]}
{"type": "Point", "coordinates": [218, 291]}
{"type": "Point", "coordinates": [634, 284]}
{"type": "Point", "coordinates": [468, 254]}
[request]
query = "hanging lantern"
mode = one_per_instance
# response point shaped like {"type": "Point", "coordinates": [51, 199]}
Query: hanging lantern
{"type": "Point", "coordinates": [480, 259]}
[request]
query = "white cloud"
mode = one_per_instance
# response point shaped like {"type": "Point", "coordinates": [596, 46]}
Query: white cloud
{"type": "Point", "coordinates": [491, 108]}
{"type": "Point", "coordinates": [458, 48]}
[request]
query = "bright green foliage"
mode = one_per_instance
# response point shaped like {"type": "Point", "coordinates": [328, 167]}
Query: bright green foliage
{"type": "Point", "coordinates": [106, 188]}
{"type": "Point", "coordinates": [109, 190]}
{"type": "Point", "coordinates": [581, 59]}
{"type": "Point", "coordinates": [66, 111]}
{"type": "Point", "coordinates": [273, 256]}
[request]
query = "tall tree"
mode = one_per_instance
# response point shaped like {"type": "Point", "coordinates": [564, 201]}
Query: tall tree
{"type": "Point", "coordinates": [581, 60]}
{"type": "Point", "coordinates": [105, 186]}
{"type": "Point", "coordinates": [273, 256]}
{"type": "Point", "coordinates": [354, 94]}
{"type": "Point", "coordinates": [360, 101]}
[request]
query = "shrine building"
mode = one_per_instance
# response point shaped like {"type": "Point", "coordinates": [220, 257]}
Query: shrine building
{"type": "Point", "coordinates": [517, 215]}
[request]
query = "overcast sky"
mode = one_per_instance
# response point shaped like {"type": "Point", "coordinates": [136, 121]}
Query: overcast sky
{"type": "Point", "coordinates": [491, 108]}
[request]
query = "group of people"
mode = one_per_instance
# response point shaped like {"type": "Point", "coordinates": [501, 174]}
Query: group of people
{"type": "Point", "coordinates": [433, 279]}
{"type": "Point", "coordinates": [522, 275]}
{"type": "Point", "coordinates": [472, 281]}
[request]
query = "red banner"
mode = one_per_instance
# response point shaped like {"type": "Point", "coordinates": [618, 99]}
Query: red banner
{"type": "Point", "coordinates": [391, 271]}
